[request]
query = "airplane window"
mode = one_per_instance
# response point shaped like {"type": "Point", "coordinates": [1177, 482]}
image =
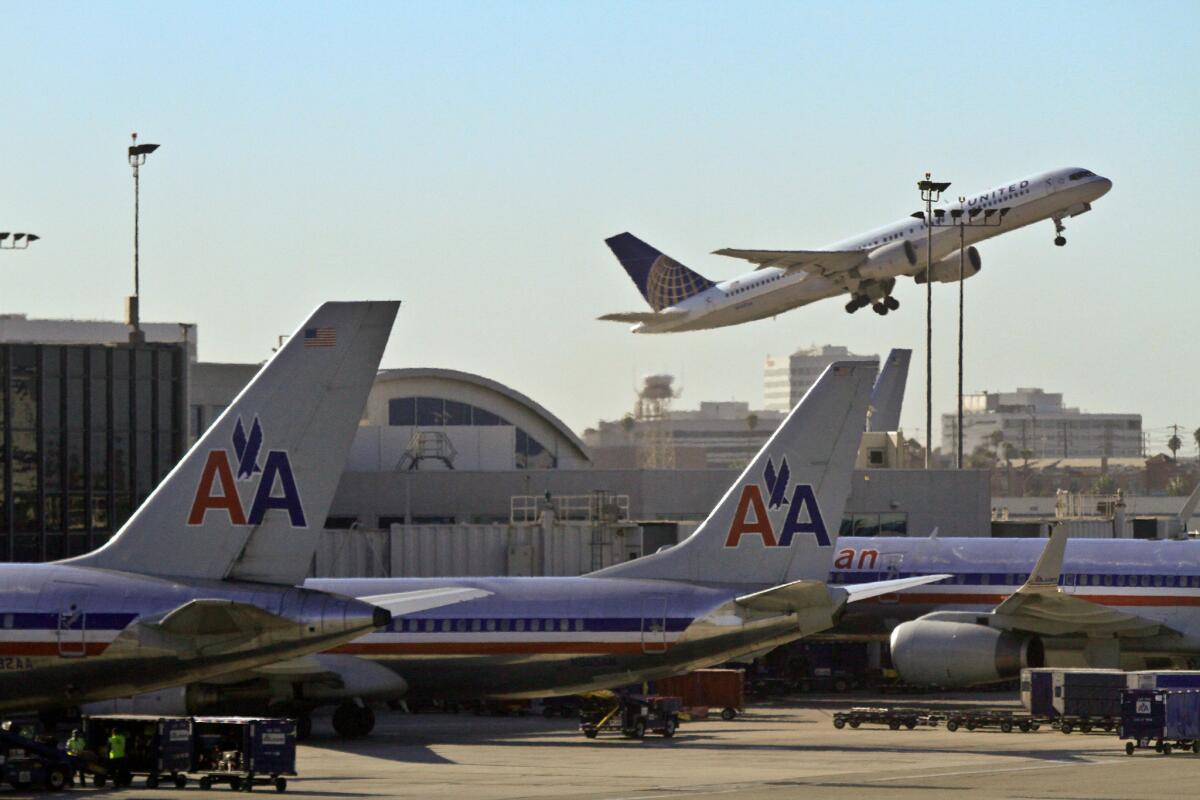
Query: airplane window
{"type": "Point", "coordinates": [1083, 173]}
{"type": "Point", "coordinates": [445, 626]}
{"type": "Point", "coordinates": [491, 624]}
{"type": "Point", "coordinates": [504, 625]}
{"type": "Point", "coordinates": [578, 624]}
{"type": "Point", "coordinates": [429, 626]}
{"type": "Point", "coordinates": [564, 625]}
{"type": "Point", "coordinates": [1158, 580]}
{"type": "Point", "coordinates": [535, 624]}
{"type": "Point", "coordinates": [1107, 580]}
{"type": "Point", "coordinates": [476, 626]}
{"type": "Point", "coordinates": [460, 626]}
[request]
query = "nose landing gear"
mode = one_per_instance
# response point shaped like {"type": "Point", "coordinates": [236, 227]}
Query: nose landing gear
{"type": "Point", "coordinates": [1059, 240]}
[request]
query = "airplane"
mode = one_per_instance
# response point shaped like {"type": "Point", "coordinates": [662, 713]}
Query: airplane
{"type": "Point", "coordinates": [865, 267]}
{"type": "Point", "coordinates": [201, 580]}
{"type": "Point", "coordinates": [887, 396]}
{"type": "Point", "coordinates": [749, 578]}
{"type": "Point", "coordinates": [1014, 603]}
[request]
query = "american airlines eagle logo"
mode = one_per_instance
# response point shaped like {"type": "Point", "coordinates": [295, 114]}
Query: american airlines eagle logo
{"type": "Point", "coordinates": [755, 509]}
{"type": "Point", "coordinates": [217, 489]}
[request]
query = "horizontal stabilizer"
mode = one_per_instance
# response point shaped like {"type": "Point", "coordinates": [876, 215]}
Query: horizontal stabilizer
{"type": "Point", "coordinates": [864, 591]}
{"type": "Point", "coordinates": [788, 597]}
{"type": "Point", "coordinates": [401, 603]}
{"type": "Point", "coordinates": [642, 316]}
{"type": "Point", "coordinates": [216, 617]}
{"type": "Point", "coordinates": [818, 262]}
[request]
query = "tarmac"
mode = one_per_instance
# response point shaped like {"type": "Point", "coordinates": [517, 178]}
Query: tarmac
{"type": "Point", "coordinates": [786, 749]}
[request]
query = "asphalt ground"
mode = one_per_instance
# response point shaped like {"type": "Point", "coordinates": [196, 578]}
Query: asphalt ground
{"type": "Point", "coordinates": [778, 750]}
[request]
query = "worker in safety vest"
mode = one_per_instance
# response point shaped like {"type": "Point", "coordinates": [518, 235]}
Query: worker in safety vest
{"type": "Point", "coordinates": [75, 747]}
{"type": "Point", "coordinates": [116, 754]}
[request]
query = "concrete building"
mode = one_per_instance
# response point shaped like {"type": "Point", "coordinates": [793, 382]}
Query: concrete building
{"type": "Point", "coordinates": [785, 380]}
{"type": "Point", "coordinates": [21, 328]}
{"type": "Point", "coordinates": [1033, 420]}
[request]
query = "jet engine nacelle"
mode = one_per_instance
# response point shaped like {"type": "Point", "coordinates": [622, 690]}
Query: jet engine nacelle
{"type": "Point", "coordinates": [358, 677]}
{"type": "Point", "coordinates": [946, 270]}
{"type": "Point", "coordinates": [959, 654]}
{"type": "Point", "coordinates": [897, 258]}
{"type": "Point", "coordinates": [172, 702]}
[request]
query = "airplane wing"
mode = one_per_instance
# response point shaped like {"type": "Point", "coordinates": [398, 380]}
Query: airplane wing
{"type": "Point", "coordinates": [401, 603]}
{"type": "Point", "coordinates": [216, 617]}
{"type": "Point", "coordinates": [1041, 606]}
{"type": "Point", "coordinates": [799, 595]}
{"type": "Point", "coordinates": [642, 316]}
{"type": "Point", "coordinates": [816, 262]}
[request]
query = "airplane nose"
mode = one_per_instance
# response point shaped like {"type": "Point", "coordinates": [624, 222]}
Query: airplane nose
{"type": "Point", "coordinates": [1105, 184]}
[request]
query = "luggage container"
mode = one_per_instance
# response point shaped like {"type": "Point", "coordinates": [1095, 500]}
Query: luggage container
{"type": "Point", "coordinates": [1037, 692]}
{"type": "Point", "coordinates": [1164, 679]}
{"type": "Point", "coordinates": [1085, 699]}
{"type": "Point", "coordinates": [708, 688]}
{"type": "Point", "coordinates": [244, 752]}
{"type": "Point", "coordinates": [1161, 719]}
{"type": "Point", "coordinates": [160, 748]}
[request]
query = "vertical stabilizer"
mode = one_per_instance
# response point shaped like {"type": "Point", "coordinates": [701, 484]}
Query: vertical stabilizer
{"type": "Point", "coordinates": [250, 498]}
{"type": "Point", "coordinates": [887, 397]}
{"type": "Point", "coordinates": [662, 280]}
{"type": "Point", "coordinates": [779, 521]}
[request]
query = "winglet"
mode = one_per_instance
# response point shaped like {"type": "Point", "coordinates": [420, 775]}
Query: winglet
{"type": "Point", "coordinates": [1044, 578]}
{"type": "Point", "coordinates": [1189, 508]}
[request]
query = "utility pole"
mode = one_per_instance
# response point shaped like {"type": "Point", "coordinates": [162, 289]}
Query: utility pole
{"type": "Point", "coordinates": [931, 192]}
{"type": "Point", "coordinates": [137, 157]}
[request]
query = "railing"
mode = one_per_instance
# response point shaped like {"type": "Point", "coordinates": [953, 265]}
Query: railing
{"type": "Point", "coordinates": [597, 507]}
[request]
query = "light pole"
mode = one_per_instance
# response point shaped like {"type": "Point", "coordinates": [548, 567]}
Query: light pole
{"type": "Point", "coordinates": [931, 192]}
{"type": "Point", "coordinates": [17, 241]}
{"type": "Point", "coordinates": [137, 157]}
{"type": "Point", "coordinates": [962, 219]}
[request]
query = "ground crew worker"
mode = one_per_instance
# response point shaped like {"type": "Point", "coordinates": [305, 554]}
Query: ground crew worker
{"type": "Point", "coordinates": [75, 747]}
{"type": "Point", "coordinates": [116, 755]}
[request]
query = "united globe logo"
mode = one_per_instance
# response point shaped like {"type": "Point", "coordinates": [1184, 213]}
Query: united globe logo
{"type": "Point", "coordinates": [669, 282]}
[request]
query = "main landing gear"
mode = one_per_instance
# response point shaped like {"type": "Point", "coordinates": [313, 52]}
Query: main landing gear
{"type": "Point", "coordinates": [880, 307]}
{"type": "Point", "coordinates": [353, 720]}
{"type": "Point", "coordinates": [1059, 240]}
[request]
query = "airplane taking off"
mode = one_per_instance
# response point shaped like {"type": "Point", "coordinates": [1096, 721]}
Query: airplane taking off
{"type": "Point", "coordinates": [865, 267]}
{"type": "Point", "coordinates": [750, 578]}
{"type": "Point", "coordinates": [201, 580]}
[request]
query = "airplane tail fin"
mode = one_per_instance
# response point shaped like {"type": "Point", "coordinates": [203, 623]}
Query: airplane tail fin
{"type": "Point", "coordinates": [662, 280]}
{"type": "Point", "coordinates": [887, 398]}
{"type": "Point", "coordinates": [250, 498]}
{"type": "Point", "coordinates": [779, 521]}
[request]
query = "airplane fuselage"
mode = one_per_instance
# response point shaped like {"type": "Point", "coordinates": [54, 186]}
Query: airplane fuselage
{"type": "Point", "coordinates": [1156, 580]}
{"type": "Point", "coordinates": [535, 637]}
{"type": "Point", "coordinates": [70, 635]}
{"type": "Point", "coordinates": [769, 291]}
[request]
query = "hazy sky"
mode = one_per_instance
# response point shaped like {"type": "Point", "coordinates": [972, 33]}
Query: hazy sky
{"type": "Point", "coordinates": [470, 159]}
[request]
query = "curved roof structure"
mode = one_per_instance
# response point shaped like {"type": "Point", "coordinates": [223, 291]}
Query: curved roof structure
{"type": "Point", "coordinates": [476, 390]}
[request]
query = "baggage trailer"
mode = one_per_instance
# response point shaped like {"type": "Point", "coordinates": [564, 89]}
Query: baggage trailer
{"type": "Point", "coordinates": [1074, 699]}
{"type": "Point", "coordinates": [1161, 719]}
{"type": "Point", "coordinates": [632, 714]}
{"type": "Point", "coordinates": [244, 752]}
{"type": "Point", "coordinates": [894, 717]}
{"type": "Point", "coordinates": [160, 748]}
{"type": "Point", "coordinates": [1164, 679]}
{"type": "Point", "coordinates": [708, 688]}
{"type": "Point", "coordinates": [1002, 719]}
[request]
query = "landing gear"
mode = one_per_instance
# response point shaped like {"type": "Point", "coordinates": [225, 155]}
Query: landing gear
{"type": "Point", "coordinates": [891, 302]}
{"type": "Point", "coordinates": [303, 727]}
{"type": "Point", "coordinates": [879, 308]}
{"type": "Point", "coordinates": [856, 302]}
{"type": "Point", "coordinates": [353, 720]}
{"type": "Point", "coordinates": [1059, 240]}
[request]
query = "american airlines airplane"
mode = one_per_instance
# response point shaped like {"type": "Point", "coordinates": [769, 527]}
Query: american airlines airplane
{"type": "Point", "coordinates": [201, 580]}
{"type": "Point", "coordinates": [865, 267]}
{"type": "Point", "coordinates": [751, 577]}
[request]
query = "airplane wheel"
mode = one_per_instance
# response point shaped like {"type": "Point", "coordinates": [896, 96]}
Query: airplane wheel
{"type": "Point", "coordinates": [303, 727]}
{"type": "Point", "coordinates": [1060, 240]}
{"type": "Point", "coordinates": [879, 308]}
{"type": "Point", "coordinates": [852, 306]}
{"type": "Point", "coordinates": [891, 302]}
{"type": "Point", "coordinates": [353, 721]}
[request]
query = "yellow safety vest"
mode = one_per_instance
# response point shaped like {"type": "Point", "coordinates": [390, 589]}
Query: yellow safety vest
{"type": "Point", "coordinates": [76, 745]}
{"type": "Point", "coordinates": [116, 746]}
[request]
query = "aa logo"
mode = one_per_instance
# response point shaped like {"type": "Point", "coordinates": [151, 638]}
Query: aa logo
{"type": "Point", "coordinates": [217, 489]}
{"type": "Point", "coordinates": [799, 511]}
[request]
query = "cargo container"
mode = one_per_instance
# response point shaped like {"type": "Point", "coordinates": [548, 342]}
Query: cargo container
{"type": "Point", "coordinates": [1088, 698]}
{"type": "Point", "coordinates": [1161, 719]}
{"type": "Point", "coordinates": [158, 747]}
{"type": "Point", "coordinates": [1037, 692]}
{"type": "Point", "coordinates": [243, 751]}
{"type": "Point", "coordinates": [707, 688]}
{"type": "Point", "coordinates": [1164, 679]}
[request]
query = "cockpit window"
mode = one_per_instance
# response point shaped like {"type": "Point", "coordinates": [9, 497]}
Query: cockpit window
{"type": "Point", "coordinates": [1083, 173]}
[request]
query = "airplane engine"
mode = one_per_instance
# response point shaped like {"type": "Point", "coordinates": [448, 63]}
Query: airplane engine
{"type": "Point", "coordinates": [897, 258]}
{"type": "Point", "coordinates": [172, 702]}
{"type": "Point", "coordinates": [356, 677]}
{"type": "Point", "coordinates": [946, 270]}
{"type": "Point", "coordinates": [959, 654]}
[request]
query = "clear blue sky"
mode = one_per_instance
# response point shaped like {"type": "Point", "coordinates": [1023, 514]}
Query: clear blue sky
{"type": "Point", "coordinates": [470, 159]}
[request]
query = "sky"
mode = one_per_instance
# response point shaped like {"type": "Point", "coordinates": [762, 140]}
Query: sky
{"type": "Point", "coordinates": [470, 159]}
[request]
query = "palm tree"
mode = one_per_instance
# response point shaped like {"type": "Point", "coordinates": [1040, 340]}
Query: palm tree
{"type": "Point", "coordinates": [1196, 436]}
{"type": "Point", "coordinates": [1173, 444]}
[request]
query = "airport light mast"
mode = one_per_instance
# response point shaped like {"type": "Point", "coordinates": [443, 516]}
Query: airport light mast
{"type": "Point", "coordinates": [962, 219]}
{"type": "Point", "coordinates": [137, 157]}
{"type": "Point", "coordinates": [17, 241]}
{"type": "Point", "coordinates": [931, 192]}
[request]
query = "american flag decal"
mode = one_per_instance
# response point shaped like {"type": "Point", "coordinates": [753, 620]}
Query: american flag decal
{"type": "Point", "coordinates": [320, 337]}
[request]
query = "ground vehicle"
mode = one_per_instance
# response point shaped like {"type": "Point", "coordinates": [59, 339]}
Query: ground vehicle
{"type": "Point", "coordinates": [894, 717]}
{"type": "Point", "coordinates": [1003, 719]}
{"type": "Point", "coordinates": [28, 762]}
{"type": "Point", "coordinates": [157, 747]}
{"type": "Point", "coordinates": [708, 688]}
{"type": "Point", "coordinates": [1160, 719]}
{"type": "Point", "coordinates": [631, 714]}
{"type": "Point", "coordinates": [240, 751]}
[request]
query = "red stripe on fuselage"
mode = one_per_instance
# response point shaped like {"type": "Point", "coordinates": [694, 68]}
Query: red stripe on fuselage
{"type": "Point", "coordinates": [488, 648]}
{"type": "Point", "coordinates": [937, 598]}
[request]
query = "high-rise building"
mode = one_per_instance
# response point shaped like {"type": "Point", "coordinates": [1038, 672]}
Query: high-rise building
{"type": "Point", "coordinates": [1037, 422]}
{"type": "Point", "coordinates": [786, 379]}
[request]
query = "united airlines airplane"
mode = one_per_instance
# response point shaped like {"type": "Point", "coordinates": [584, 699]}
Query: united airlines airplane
{"type": "Point", "coordinates": [201, 580]}
{"type": "Point", "coordinates": [751, 577]}
{"type": "Point", "coordinates": [864, 267]}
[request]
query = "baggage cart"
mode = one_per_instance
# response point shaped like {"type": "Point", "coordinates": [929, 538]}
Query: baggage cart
{"type": "Point", "coordinates": [632, 715]}
{"type": "Point", "coordinates": [159, 748]}
{"type": "Point", "coordinates": [708, 688]}
{"type": "Point", "coordinates": [1164, 679]}
{"type": "Point", "coordinates": [894, 717]}
{"type": "Point", "coordinates": [244, 752]}
{"type": "Point", "coordinates": [1163, 719]}
{"type": "Point", "coordinates": [1001, 719]}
